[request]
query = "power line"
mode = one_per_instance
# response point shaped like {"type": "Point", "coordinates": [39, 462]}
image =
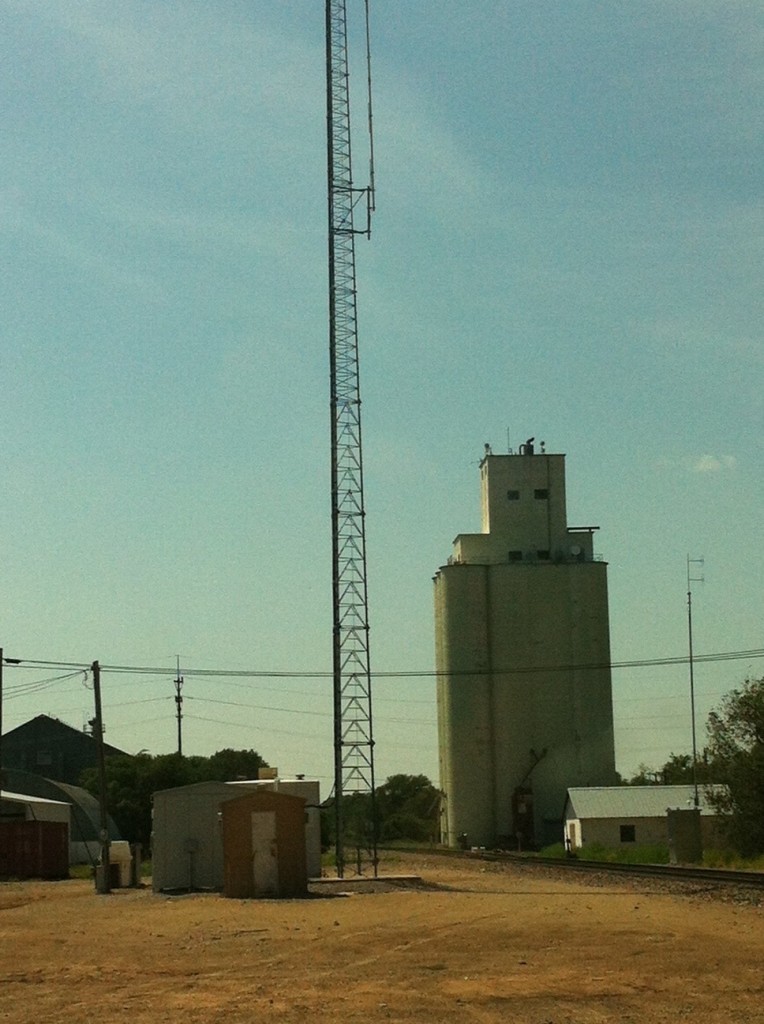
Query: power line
{"type": "Point", "coordinates": [23, 689]}
{"type": "Point", "coordinates": [249, 728]}
{"type": "Point", "coordinates": [150, 670]}
{"type": "Point", "coordinates": [144, 700]}
{"type": "Point", "coordinates": [261, 707]}
{"type": "Point", "coordinates": [29, 689]}
{"type": "Point", "coordinates": [400, 700]}
{"type": "Point", "coordinates": [294, 711]}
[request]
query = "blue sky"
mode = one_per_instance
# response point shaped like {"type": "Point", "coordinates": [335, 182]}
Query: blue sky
{"type": "Point", "coordinates": [568, 244]}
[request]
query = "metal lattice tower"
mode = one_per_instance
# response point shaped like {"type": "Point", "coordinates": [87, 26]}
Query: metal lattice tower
{"type": "Point", "coordinates": [353, 735]}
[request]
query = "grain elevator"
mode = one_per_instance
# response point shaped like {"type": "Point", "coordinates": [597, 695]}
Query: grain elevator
{"type": "Point", "coordinates": [523, 660]}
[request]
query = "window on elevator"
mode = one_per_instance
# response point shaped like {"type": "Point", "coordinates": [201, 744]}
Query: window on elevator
{"type": "Point", "coordinates": [542, 493]}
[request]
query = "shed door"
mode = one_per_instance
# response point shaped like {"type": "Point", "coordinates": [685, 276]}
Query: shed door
{"type": "Point", "coordinates": [265, 863]}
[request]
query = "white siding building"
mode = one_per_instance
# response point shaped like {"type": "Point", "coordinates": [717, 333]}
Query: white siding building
{"type": "Point", "coordinates": [616, 816]}
{"type": "Point", "coordinates": [186, 835]}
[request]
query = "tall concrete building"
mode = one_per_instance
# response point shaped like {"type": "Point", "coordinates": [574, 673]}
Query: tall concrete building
{"type": "Point", "coordinates": [523, 659]}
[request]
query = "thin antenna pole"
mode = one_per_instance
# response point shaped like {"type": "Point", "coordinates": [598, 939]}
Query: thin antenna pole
{"type": "Point", "coordinates": [179, 705]}
{"type": "Point", "coordinates": [690, 580]}
{"type": "Point", "coordinates": [372, 195]}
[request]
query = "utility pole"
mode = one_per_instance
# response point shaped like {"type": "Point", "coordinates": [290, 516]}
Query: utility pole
{"type": "Point", "coordinates": [103, 883]}
{"type": "Point", "coordinates": [353, 738]}
{"type": "Point", "coordinates": [3, 661]}
{"type": "Point", "coordinates": [690, 580]}
{"type": "Point", "coordinates": [179, 705]}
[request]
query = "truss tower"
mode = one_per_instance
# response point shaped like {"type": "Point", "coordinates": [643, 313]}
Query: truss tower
{"type": "Point", "coordinates": [353, 738]}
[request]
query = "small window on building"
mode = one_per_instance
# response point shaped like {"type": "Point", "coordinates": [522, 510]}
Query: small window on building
{"type": "Point", "coordinates": [542, 493]}
{"type": "Point", "coordinates": [542, 555]}
{"type": "Point", "coordinates": [515, 556]}
{"type": "Point", "coordinates": [628, 833]}
{"type": "Point", "coordinates": [513, 495]}
{"type": "Point", "coordinates": [44, 757]}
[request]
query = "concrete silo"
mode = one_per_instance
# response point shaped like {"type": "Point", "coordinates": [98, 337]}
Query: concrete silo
{"type": "Point", "coordinates": [523, 660]}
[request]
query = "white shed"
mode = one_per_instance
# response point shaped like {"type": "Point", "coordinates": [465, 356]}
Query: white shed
{"type": "Point", "coordinates": [186, 836]}
{"type": "Point", "coordinates": [617, 816]}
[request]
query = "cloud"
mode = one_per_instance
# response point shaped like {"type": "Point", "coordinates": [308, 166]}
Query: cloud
{"type": "Point", "coordinates": [713, 463]}
{"type": "Point", "coordinates": [203, 68]}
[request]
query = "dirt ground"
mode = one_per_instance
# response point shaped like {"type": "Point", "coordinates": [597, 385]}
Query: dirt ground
{"type": "Point", "coordinates": [471, 943]}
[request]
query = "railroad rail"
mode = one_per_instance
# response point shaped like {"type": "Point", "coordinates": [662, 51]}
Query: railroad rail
{"type": "Point", "coordinates": [673, 872]}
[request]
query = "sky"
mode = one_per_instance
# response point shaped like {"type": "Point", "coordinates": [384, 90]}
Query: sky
{"type": "Point", "coordinates": [568, 244]}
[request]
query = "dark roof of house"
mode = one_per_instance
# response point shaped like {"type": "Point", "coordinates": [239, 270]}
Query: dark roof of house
{"type": "Point", "coordinates": [49, 725]}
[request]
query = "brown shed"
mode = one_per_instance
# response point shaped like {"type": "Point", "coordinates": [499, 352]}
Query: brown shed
{"type": "Point", "coordinates": [264, 845]}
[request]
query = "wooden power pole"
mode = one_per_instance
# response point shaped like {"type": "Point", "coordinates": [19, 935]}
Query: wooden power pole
{"type": "Point", "coordinates": [103, 882]}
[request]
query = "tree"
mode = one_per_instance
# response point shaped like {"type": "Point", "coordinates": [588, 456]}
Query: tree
{"type": "Point", "coordinates": [229, 765]}
{"type": "Point", "coordinates": [357, 819]}
{"type": "Point", "coordinates": [736, 744]}
{"type": "Point", "coordinates": [677, 771]}
{"type": "Point", "coordinates": [646, 776]}
{"type": "Point", "coordinates": [130, 782]}
{"type": "Point", "coordinates": [408, 807]}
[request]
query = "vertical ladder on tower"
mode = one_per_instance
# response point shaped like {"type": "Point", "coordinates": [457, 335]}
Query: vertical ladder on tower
{"type": "Point", "coordinates": [354, 796]}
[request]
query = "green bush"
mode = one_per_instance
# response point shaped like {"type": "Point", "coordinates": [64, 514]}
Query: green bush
{"type": "Point", "coordinates": [555, 850]}
{"type": "Point", "coordinates": [731, 859]}
{"type": "Point", "coordinates": [719, 858]}
{"type": "Point", "coordinates": [648, 854]}
{"type": "Point", "coordinates": [81, 871]}
{"type": "Point", "coordinates": [654, 854]}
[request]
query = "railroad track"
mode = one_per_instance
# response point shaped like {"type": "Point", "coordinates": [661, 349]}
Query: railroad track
{"type": "Point", "coordinates": [717, 876]}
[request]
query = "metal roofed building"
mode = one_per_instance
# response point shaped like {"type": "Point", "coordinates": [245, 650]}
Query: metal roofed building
{"type": "Point", "coordinates": [615, 816]}
{"type": "Point", "coordinates": [84, 821]}
{"type": "Point", "coordinates": [22, 806]}
{"type": "Point", "coordinates": [34, 836]}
